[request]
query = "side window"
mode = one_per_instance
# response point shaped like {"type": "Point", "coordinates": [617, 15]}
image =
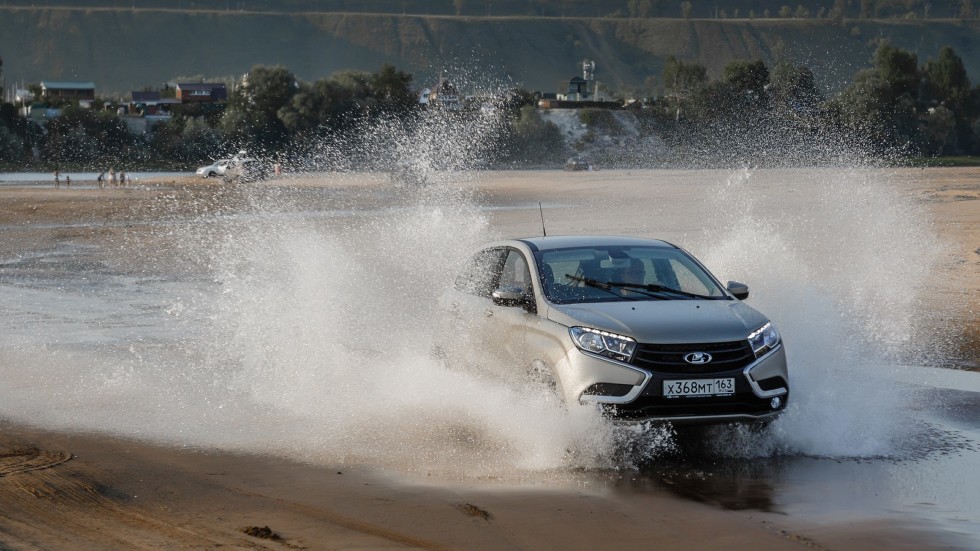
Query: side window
{"type": "Point", "coordinates": [515, 273]}
{"type": "Point", "coordinates": [480, 272]}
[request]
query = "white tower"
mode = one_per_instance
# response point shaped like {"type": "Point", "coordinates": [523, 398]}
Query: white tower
{"type": "Point", "coordinates": [588, 70]}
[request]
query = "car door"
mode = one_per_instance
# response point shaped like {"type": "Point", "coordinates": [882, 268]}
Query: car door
{"type": "Point", "coordinates": [506, 324]}
{"type": "Point", "coordinates": [486, 336]}
{"type": "Point", "coordinates": [468, 340]}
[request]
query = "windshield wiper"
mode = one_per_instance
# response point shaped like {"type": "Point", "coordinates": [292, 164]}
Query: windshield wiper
{"type": "Point", "coordinates": [607, 286]}
{"type": "Point", "coordinates": [638, 288]}
{"type": "Point", "coordinates": [660, 289]}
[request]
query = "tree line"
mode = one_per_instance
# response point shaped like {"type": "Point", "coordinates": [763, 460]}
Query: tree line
{"type": "Point", "coordinates": [269, 113]}
{"type": "Point", "coordinates": [896, 105]}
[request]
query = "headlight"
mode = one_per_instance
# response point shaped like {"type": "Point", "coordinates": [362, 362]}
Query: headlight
{"type": "Point", "coordinates": [603, 343]}
{"type": "Point", "coordinates": [764, 339]}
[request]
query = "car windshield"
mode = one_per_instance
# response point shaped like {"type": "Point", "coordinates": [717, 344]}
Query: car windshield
{"type": "Point", "coordinates": [616, 273]}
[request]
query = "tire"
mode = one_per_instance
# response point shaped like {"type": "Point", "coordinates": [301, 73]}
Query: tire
{"type": "Point", "coordinates": [542, 377]}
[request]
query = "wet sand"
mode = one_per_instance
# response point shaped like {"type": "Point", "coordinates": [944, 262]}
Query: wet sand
{"type": "Point", "coordinates": [95, 491]}
{"type": "Point", "coordinates": [115, 494]}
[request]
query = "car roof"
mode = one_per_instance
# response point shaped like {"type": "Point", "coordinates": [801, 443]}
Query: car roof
{"type": "Point", "coordinates": [572, 241]}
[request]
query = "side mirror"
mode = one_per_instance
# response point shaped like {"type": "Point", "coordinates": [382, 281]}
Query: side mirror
{"type": "Point", "coordinates": [512, 296]}
{"type": "Point", "coordinates": [740, 290]}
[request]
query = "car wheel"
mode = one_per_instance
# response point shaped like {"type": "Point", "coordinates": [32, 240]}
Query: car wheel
{"type": "Point", "coordinates": [760, 427]}
{"type": "Point", "coordinates": [542, 378]}
{"type": "Point", "coordinates": [212, 174]}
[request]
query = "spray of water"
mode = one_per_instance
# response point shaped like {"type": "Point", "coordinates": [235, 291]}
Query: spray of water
{"type": "Point", "coordinates": [322, 326]}
{"type": "Point", "coordinates": [305, 325]}
{"type": "Point", "coordinates": [841, 275]}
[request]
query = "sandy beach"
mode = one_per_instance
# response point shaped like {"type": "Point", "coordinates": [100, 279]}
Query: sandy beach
{"type": "Point", "coordinates": [99, 490]}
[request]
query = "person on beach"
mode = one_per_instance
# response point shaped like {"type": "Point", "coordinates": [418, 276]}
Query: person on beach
{"type": "Point", "coordinates": [122, 179]}
{"type": "Point", "coordinates": [112, 177]}
{"type": "Point", "coordinates": [101, 180]}
{"type": "Point", "coordinates": [68, 181]}
{"type": "Point", "coordinates": [57, 179]}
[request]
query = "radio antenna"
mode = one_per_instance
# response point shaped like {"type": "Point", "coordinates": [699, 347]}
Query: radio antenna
{"type": "Point", "coordinates": [541, 210]}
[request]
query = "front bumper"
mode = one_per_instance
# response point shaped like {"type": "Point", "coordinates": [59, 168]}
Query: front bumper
{"type": "Point", "coordinates": [642, 398]}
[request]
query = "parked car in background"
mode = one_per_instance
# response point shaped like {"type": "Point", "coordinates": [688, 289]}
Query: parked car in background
{"type": "Point", "coordinates": [214, 169]}
{"type": "Point", "coordinates": [576, 164]}
{"type": "Point", "coordinates": [243, 169]}
{"type": "Point", "coordinates": [637, 326]}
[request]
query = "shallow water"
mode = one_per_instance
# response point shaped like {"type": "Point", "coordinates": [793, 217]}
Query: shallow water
{"type": "Point", "coordinates": [47, 178]}
{"type": "Point", "coordinates": [299, 323]}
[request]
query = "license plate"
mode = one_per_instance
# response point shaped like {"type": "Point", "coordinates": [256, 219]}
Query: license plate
{"type": "Point", "coordinates": [699, 387]}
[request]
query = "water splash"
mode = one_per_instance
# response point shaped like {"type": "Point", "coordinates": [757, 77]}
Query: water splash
{"type": "Point", "coordinates": [841, 275]}
{"type": "Point", "coordinates": [327, 324]}
{"type": "Point", "coordinates": [299, 322]}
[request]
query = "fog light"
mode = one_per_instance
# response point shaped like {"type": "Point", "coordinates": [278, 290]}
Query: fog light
{"type": "Point", "coordinates": [776, 402]}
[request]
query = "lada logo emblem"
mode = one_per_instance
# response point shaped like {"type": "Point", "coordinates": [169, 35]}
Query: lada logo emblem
{"type": "Point", "coordinates": [697, 358]}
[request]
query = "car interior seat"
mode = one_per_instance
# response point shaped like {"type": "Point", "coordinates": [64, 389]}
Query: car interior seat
{"type": "Point", "coordinates": [665, 274]}
{"type": "Point", "coordinates": [591, 269]}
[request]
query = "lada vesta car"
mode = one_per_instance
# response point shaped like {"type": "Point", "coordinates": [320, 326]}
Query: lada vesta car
{"type": "Point", "coordinates": [637, 326]}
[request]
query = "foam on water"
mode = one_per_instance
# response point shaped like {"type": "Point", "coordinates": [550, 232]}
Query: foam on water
{"type": "Point", "coordinates": [312, 336]}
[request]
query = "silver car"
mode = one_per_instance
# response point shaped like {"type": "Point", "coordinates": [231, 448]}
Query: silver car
{"type": "Point", "coordinates": [214, 169]}
{"type": "Point", "coordinates": [637, 326]}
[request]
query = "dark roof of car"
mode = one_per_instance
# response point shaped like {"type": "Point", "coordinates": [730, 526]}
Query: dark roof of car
{"type": "Point", "coordinates": [571, 241]}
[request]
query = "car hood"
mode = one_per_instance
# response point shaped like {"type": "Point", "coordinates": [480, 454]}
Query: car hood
{"type": "Point", "coordinates": [664, 321]}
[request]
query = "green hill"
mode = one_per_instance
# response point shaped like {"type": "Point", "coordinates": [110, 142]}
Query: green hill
{"type": "Point", "coordinates": [125, 49]}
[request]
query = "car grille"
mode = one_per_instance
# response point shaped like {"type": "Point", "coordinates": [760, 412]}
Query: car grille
{"type": "Point", "coordinates": [669, 358]}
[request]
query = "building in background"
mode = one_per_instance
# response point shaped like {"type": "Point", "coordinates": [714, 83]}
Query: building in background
{"type": "Point", "coordinates": [82, 92]}
{"type": "Point", "coordinates": [202, 92]}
